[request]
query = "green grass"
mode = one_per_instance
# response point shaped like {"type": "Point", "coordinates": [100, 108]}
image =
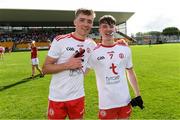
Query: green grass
{"type": "Point", "coordinates": [157, 69]}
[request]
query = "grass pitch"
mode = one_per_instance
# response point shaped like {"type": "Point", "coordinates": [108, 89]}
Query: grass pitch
{"type": "Point", "coordinates": [157, 69]}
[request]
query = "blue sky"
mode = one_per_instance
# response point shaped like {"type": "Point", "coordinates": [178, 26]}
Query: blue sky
{"type": "Point", "coordinates": [150, 15]}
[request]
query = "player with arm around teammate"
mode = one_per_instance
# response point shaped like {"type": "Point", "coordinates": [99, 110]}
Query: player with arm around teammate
{"type": "Point", "coordinates": [110, 61]}
{"type": "Point", "coordinates": [66, 92]}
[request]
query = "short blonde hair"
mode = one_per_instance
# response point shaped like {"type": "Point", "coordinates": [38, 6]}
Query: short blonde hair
{"type": "Point", "coordinates": [84, 11]}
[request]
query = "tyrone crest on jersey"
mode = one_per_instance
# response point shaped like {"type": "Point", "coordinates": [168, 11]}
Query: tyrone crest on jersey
{"type": "Point", "coordinates": [121, 55]}
{"type": "Point", "coordinates": [88, 50]}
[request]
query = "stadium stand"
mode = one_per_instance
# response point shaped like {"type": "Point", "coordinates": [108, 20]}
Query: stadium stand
{"type": "Point", "coordinates": [20, 40]}
{"type": "Point", "coordinates": [17, 29]}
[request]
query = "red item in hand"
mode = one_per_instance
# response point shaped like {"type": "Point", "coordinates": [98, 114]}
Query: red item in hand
{"type": "Point", "coordinates": [79, 53]}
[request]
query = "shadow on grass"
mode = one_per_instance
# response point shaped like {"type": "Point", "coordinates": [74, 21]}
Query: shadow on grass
{"type": "Point", "coordinates": [20, 82]}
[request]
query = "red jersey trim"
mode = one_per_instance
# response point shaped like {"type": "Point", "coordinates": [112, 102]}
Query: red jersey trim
{"type": "Point", "coordinates": [82, 40]}
{"type": "Point", "coordinates": [129, 68]}
{"type": "Point", "coordinates": [108, 46]}
{"type": "Point", "coordinates": [98, 46]}
{"type": "Point", "coordinates": [60, 37]}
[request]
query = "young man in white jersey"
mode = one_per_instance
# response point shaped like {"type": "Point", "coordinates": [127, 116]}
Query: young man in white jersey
{"type": "Point", "coordinates": [111, 60]}
{"type": "Point", "coordinates": [66, 94]}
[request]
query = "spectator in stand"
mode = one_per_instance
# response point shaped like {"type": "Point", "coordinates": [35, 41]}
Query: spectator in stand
{"type": "Point", "coordinates": [35, 60]}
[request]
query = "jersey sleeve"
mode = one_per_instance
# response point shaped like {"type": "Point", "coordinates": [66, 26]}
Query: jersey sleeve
{"type": "Point", "coordinates": [129, 63]}
{"type": "Point", "coordinates": [54, 50]}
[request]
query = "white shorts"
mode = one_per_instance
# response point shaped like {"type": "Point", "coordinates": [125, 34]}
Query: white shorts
{"type": "Point", "coordinates": [35, 61]}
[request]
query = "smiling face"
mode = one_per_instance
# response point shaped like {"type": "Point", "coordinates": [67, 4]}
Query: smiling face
{"type": "Point", "coordinates": [83, 24]}
{"type": "Point", "coordinates": [107, 28]}
{"type": "Point", "coordinates": [107, 31]}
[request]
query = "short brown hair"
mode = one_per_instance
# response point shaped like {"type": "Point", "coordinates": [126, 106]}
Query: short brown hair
{"type": "Point", "coordinates": [107, 19]}
{"type": "Point", "coordinates": [85, 12]}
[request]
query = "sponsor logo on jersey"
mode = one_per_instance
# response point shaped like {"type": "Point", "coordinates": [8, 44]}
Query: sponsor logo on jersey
{"type": "Point", "coordinates": [113, 79]}
{"type": "Point", "coordinates": [113, 67]}
{"type": "Point", "coordinates": [75, 72]}
{"type": "Point", "coordinates": [110, 52]}
{"type": "Point", "coordinates": [80, 45]}
{"type": "Point", "coordinates": [100, 58]}
{"type": "Point", "coordinates": [70, 49]}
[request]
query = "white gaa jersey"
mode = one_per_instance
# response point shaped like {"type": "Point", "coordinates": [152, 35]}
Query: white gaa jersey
{"type": "Point", "coordinates": [69, 84]}
{"type": "Point", "coordinates": [110, 63]}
